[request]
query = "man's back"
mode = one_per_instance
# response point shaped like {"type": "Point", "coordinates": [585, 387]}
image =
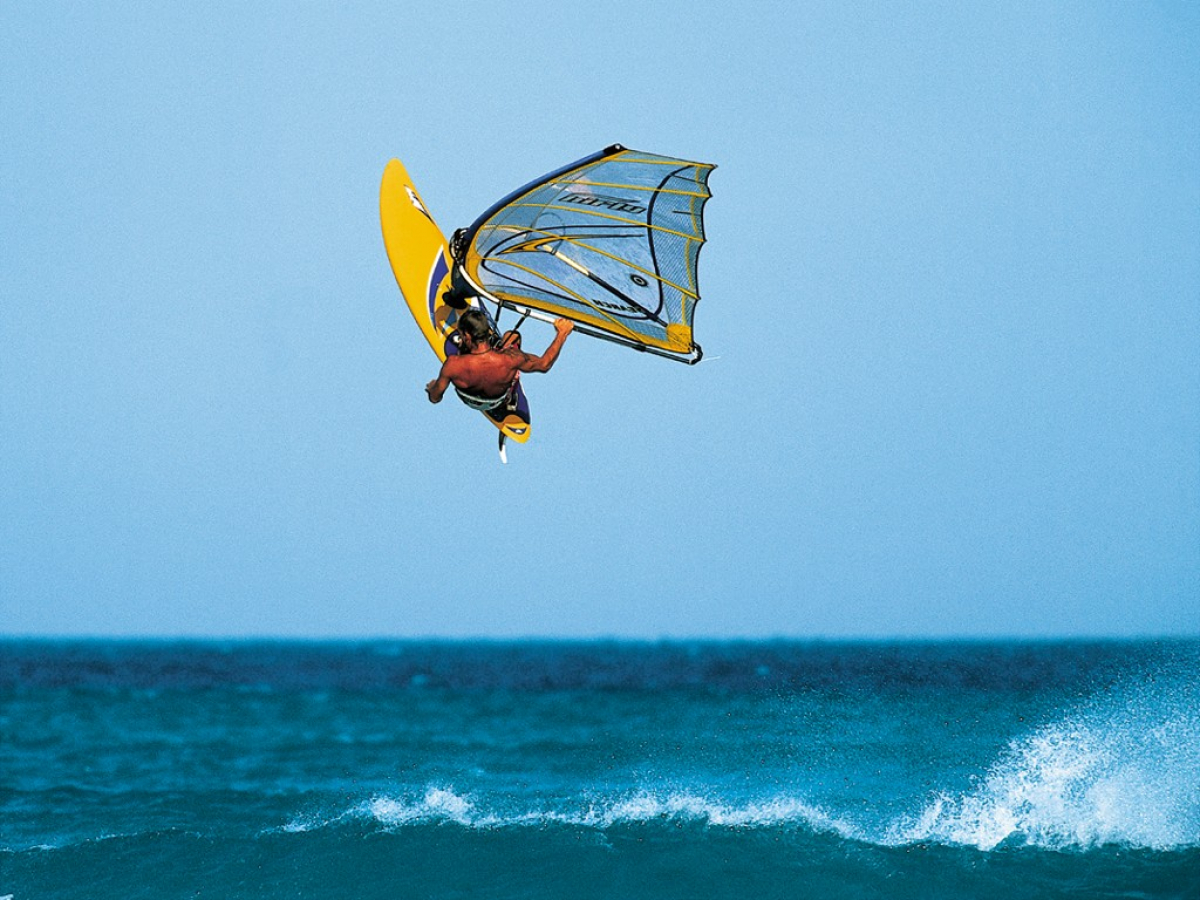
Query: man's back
{"type": "Point", "coordinates": [489, 372]}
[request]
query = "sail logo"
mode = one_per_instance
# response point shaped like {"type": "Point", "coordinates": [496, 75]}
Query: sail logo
{"type": "Point", "coordinates": [616, 204]}
{"type": "Point", "coordinates": [618, 309]}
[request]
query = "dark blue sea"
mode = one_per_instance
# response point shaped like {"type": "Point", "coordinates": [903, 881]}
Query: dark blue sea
{"type": "Point", "coordinates": [599, 770]}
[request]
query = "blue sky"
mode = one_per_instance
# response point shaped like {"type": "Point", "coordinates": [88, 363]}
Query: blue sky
{"type": "Point", "coordinates": [951, 318]}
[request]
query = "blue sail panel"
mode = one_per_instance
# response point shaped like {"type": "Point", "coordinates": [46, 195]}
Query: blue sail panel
{"type": "Point", "coordinates": [611, 241]}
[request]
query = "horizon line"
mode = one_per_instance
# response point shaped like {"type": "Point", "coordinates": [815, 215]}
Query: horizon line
{"type": "Point", "coordinates": [780, 638]}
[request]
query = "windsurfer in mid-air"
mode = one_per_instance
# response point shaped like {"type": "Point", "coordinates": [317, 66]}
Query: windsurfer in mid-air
{"type": "Point", "coordinates": [484, 371]}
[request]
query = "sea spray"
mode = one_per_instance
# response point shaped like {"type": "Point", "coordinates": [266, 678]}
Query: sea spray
{"type": "Point", "coordinates": [1124, 769]}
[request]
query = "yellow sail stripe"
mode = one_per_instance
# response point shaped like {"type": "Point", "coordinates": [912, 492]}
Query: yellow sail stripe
{"type": "Point", "coordinates": [627, 156]}
{"type": "Point", "coordinates": [698, 227]}
{"type": "Point", "coordinates": [583, 210]}
{"type": "Point", "coordinates": [625, 262]}
{"type": "Point", "coordinates": [626, 187]}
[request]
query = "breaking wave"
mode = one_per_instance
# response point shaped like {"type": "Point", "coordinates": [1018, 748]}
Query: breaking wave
{"type": "Point", "coordinates": [1125, 771]}
{"type": "Point", "coordinates": [442, 804]}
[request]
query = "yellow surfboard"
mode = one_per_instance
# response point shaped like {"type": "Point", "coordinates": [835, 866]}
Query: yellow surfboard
{"type": "Point", "coordinates": [420, 258]}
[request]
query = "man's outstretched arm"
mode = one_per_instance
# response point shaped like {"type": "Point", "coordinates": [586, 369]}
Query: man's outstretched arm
{"type": "Point", "coordinates": [437, 388]}
{"type": "Point", "coordinates": [546, 360]}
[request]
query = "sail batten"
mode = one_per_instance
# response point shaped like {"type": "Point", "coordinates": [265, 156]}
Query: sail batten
{"type": "Point", "coordinates": [611, 241]}
{"type": "Point", "coordinates": [635, 222]}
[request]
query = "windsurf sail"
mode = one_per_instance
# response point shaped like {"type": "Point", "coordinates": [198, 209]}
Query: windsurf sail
{"type": "Point", "coordinates": [610, 241]}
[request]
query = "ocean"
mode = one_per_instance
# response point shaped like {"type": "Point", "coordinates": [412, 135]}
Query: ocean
{"type": "Point", "coordinates": [615, 770]}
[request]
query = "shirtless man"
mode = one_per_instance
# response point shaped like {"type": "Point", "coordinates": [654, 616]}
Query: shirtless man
{"type": "Point", "coordinates": [484, 376]}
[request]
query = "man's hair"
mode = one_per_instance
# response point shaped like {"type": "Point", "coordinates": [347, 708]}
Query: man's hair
{"type": "Point", "coordinates": [474, 324]}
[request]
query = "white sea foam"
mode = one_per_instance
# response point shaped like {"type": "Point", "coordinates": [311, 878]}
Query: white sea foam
{"type": "Point", "coordinates": [434, 804]}
{"type": "Point", "coordinates": [649, 806]}
{"type": "Point", "coordinates": [443, 804]}
{"type": "Point", "coordinates": [438, 804]}
{"type": "Point", "coordinates": [1125, 771]}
